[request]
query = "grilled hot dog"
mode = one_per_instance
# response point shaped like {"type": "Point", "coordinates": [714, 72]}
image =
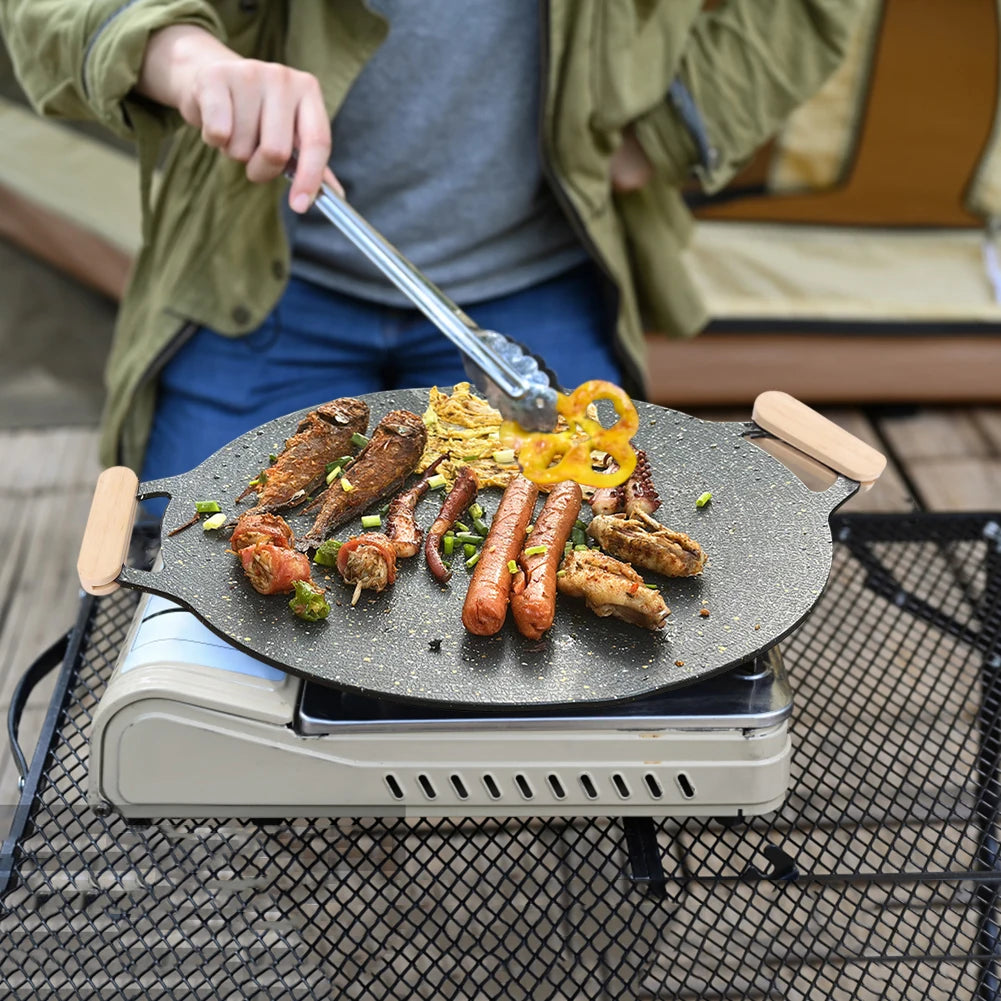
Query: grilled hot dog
{"type": "Point", "coordinates": [533, 590]}
{"type": "Point", "coordinates": [485, 607]}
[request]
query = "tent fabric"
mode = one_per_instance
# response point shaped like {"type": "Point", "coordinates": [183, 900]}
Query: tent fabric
{"type": "Point", "coordinates": [777, 271]}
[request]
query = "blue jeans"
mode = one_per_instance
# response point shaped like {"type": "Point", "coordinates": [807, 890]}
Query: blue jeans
{"type": "Point", "coordinates": [317, 345]}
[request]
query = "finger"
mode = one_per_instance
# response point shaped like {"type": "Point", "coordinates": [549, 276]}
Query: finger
{"type": "Point", "coordinates": [313, 140]}
{"type": "Point", "coordinates": [329, 177]}
{"type": "Point", "coordinates": [277, 127]}
{"type": "Point", "coordinates": [246, 93]}
{"type": "Point", "coordinates": [214, 108]}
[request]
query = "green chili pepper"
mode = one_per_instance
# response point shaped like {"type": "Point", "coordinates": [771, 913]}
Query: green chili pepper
{"type": "Point", "coordinates": [308, 602]}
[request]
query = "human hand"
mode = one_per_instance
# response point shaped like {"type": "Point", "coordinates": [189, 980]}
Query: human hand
{"type": "Point", "coordinates": [631, 167]}
{"type": "Point", "coordinates": [255, 112]}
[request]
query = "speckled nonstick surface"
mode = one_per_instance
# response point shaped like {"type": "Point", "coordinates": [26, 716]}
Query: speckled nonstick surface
{"type": "Point", "coordinates": [767, 535]}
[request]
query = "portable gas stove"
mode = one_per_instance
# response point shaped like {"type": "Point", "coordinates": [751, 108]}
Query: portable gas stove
{"type": "Point", "coordinates": [223, 704]}
{"type": "Point", "coordinates": [190, 726]}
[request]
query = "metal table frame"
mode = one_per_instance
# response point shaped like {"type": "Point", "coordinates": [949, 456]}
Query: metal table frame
{"type": "Point", "coordinates": [878, 878]}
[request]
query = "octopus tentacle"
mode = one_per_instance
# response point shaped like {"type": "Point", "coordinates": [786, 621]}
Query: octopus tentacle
{"type": "Point", "coordinates": [640, 495]}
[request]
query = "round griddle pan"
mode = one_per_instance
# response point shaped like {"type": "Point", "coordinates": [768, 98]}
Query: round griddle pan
{"type": "Point", "coordinates": [766, 532]}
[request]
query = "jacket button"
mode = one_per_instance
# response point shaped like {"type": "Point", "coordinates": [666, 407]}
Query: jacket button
{"type": "Point", "coordinates": [278, 269]}
{"type": "Point", "coordinates": [241, 316]}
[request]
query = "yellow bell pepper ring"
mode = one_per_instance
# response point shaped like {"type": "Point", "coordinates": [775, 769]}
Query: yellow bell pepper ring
{"type": "Point", "coordinates": [551, 457]}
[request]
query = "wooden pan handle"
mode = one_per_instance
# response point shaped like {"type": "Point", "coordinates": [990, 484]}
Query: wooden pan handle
{"type": "Point", "coordinates": [109, 528]}
{"type": "Point", "coordinates": [802, 427]}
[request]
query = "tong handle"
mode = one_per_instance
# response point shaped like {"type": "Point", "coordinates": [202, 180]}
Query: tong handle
{"type": "Point", "coordinates": [466, 335]}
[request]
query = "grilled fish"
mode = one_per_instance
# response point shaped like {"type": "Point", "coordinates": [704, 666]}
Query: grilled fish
{"type": "Point", "coordinates": [645, 542]}
{"type": "Point", "coordinates": [322, 436]}
{"type": "Point", "coordinates": [610, 587]}
{"type": "Point", "coordinates": [380, 468]}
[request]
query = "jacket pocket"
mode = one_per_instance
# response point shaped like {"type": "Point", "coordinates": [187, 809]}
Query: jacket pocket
{"type": "Point", "coordinates": [656, 227]}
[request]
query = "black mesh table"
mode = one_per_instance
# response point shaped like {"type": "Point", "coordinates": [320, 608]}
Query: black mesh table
{"type": "Point", "coordinates": [878, 878]}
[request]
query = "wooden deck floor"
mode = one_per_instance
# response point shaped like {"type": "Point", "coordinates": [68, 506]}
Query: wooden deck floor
{"type": "Point", "coordinates": [940, 459]}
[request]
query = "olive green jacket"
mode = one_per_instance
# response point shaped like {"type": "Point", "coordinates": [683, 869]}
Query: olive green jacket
{"type": "Point", "coordinates": [214, 248]}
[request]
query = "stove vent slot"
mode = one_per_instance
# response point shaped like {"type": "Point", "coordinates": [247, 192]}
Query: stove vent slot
{"type": "Point", "coordinates": [395, 789]}
{"type": "Point", "coordinates": [524, 786]}
{"type": "Point", "coordinates": [587, 784]}
{"type": "Point", "coordinates": [427, 786]}
{"type": "Point", "coordinates": [556, 786]}
{"type": "Point", "coordinates": [653, 786]}
{"type": "Point", "coordinates": [621, 785]}
{"type": "Point", "coordinates": [459, 786]}
{"type": "Point", "coordinates": [490, 784]}
{"type": "Point", "coordinates": [685, 785]}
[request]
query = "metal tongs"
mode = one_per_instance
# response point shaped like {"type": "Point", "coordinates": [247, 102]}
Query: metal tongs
{"type": "Point", "coordinates": [514, 381]}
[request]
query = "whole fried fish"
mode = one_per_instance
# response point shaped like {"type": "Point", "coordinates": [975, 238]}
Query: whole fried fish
{"type": "Point", "coordinates": [322, 436]}
{"type": "Point", "coordinates": [380, 468]}
{"type": "Point", "coordinates": [610, 587]}
{"type": "Point", "coordinates": [645, 542]}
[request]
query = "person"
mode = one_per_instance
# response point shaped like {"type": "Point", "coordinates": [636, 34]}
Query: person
{"type": "Point", "coordinates": [529, 156]}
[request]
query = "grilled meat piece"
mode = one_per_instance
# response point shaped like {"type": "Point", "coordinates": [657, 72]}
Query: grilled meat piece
{"type": "Point", "coordinates": [274, 569]}
{"type": "Point", "coordinates": [367, 561]}
{"type": "Point", "coordinates": [644, 542]}
{"type": "Point", "coordinates": [254, 528]}
{"type": "Point", "coordinates": [608, 500]}
{"type": "Point", "coordinates": [380, 468]}
{"type": "Point", "coordinates": [610, 587]}
{"type": "Point", "coordinates": [322, 436]}
{"type": "Point", "coordinates": [401, 525]}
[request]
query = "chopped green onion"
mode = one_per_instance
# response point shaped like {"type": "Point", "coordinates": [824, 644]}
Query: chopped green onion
{"type": "Point", "coordinates": [568, 549]}
{"type": "Point", "coordinates": [504, 456]}
{"type": "Point", "coordinates": [384, 509]}
{"type": "Point", "coordinates": [536, 550]}
{"type": "Point", "coordinates": [471, 458]}
{"type": "Point", "coordinates": [333, 474]}
{"type": "Point", "coordinates": [474, 559]}
{"type": "Point", "coordinates": [578, 538]}
{"type": "Point", "coordinates": [346, 484]}
{"type": "Point", "coordinates": [704, 499]}
{"type": "Point", "coordinates": [371, 521]}
{"type": "Point", "coordinates": [580, 525]}
{"type": "Point", "coordinates": [272, 458]}
{"type": "Point", "coordinates": [308, 602]}
{"type": "Point", "coordinates": [512, 566]}
{"type": "Point", "coordinates": [468, 548]}
{"type": "Point", "coordinates": [207, 507]}
{"type": "Point", "coordinates": [462, 528]}
{"type": "Point", "coordinates": [481, 526]}
{"type": "Point", "coordinates": [653, 587]}
{"type": "Point", "coordinates": [448, 545]}
{"type": "Point", "coordinates": [580, 549]}
{"type": "Point", "coordinates": [561, 573]}
{"type": "Point", "coordinates": [436, 482]}
{"type": "Point", "coordinates": [475, 511]}
{"type": "Point", "coordinates": [528, 529]}
{"type": "Point", "coordinates": [262, 477]}
{"type": "Point", "coordinates": [359, 440]}
{"type": "Point", "coordinates": [326, 555]}
{"type": "Point", "coordinates": [216, 521]}
{"type": "Point", "coordinates": [471, 537]}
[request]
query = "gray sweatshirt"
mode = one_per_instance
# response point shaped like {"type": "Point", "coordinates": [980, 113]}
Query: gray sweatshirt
{"type": "Point", "coordinates": [437, 145]}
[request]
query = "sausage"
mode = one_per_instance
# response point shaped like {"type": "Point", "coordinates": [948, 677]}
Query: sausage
{"type": "Point", "coordinates": [462, 494]}
{"type": "Point", "coordinates": [485, 607]}
{"type": "Point", "coordinates": [533, 590]}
